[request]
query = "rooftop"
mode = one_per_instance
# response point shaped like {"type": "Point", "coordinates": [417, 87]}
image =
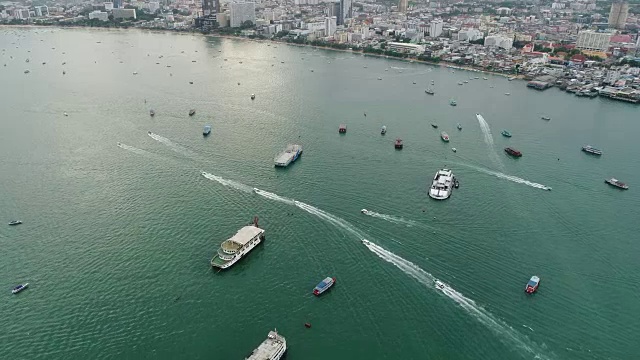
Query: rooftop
{"type": "Point", "coordinates": [244, 235]}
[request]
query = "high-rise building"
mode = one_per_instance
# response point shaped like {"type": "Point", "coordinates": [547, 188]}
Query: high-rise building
{"type": "Point", "coordinates": [618, 14]}
{"type": "Point", "coordinates": [210, 7]}
{"type": "Point", "coordinates": [241, 11]}
{"type": "Point", "coordinates": [591, 40]}
{"type": "Point", "coordinates": [346, 11]}
{"type": "Point", "coordinates": [435, 28]}
{"type": "Point", "coordinates": [403, 5]}
{"type": "Point", "coordinates": [330, 23]}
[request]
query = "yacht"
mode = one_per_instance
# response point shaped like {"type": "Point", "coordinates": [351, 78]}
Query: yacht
{"type": "Point", "coordinates": [324, 285]}
{"type": "Point", "coordinates": [19, 288]}
{"type": "Point", "coordinates": [289, 155]}
{"type": "Point", "coordinates": [444, 136]}
{"type": "Point", "coordinates": [615, 182]}
{"type": "Point", "coordinates": [273, 348]}
{"type": "Point", "coordinates": [441, 185]}
{"type": "Point", "coordinates": [239, 245]}
{"type": "Point", "coordinates": [383, 130]}
{"type": "Point", "coordinates": [15, 222]}
{"type": "Point", "coordinates": [532, 285]}
{"type": "Point", "coordinates": [590, 149]}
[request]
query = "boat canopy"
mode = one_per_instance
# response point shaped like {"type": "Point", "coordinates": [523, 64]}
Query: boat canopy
{"type": "Point", "coordinates": [532, 283]}
{"type": "Point", "coordinates": [244, 235]}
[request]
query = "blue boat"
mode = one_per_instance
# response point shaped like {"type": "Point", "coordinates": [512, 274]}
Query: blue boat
{"type": "Point", "coordinates": [324, 285]}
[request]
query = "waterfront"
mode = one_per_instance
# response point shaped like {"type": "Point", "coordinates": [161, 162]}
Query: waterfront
{"type": "Point", "coordinates": [116, 241]}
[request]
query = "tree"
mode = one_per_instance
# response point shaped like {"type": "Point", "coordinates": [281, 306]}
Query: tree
{"type": "Point", "coordinates": [246, 25]}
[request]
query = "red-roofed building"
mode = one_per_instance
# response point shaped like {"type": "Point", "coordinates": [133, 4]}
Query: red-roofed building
{"type": "Point", "coordinates": [578, 58]}
{"type": "Point", "coordinates": [621, 38]}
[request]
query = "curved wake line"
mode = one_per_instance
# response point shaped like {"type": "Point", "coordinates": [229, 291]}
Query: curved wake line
{"type": "Point", "coordinates": [488, 139]}
{"type": "Point", "coordinates": [173, 146]}
{"type": "Point", "coordinates": [390, 218]}
{"type": "Point", "coordinates": [229, 183]}
{"type": "Point", "coordinates": [509, 177]}
{"type": "Point", "coordinates": [504, 331]}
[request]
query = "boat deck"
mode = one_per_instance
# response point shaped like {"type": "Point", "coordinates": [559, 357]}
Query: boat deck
{"type": "Point", "coordinates": [269, 347]}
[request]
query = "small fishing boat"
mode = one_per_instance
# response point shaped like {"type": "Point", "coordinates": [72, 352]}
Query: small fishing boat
{"type": "Point", "coordinates": [459, 126]}
{"type": "Point", "coordinates": [15, 222]}
{"type": "Point", "coordinates": [615, 182]}
{"type": "Point", "coordinates": [454, 149]}
{"type": "Point", "coordinates": [507, 94]}
{"type": "Point", "coordinates": [342, 129]}
{"type": "Point", "coordinates": [207, 130]}
{"type": "Point", "coordinates": [444, 136]}
{"type": "Point", "coordinates": [383, 130]}
{"type": "Point", "coordinates": [19, 288]}
{"type": "Point", "coordinates": [591, 150]}
{"type": "Point", "coordinates": [324, 285]}
{"type": "Point", "coordinates": [192, 112]}
{"type": "Point", "coordinates": [460, 83]}
{"type": "Point", "coordinates": [435, 126]}
{"type": "Point", "coordinates": [452, 102]}
{"type": "Point", "coordinates": [26, 71]}
{"type": "Point", "coordinates": [546, 118]}
{"type": "Point", "coordinates": [152, 113]}
{"type": "Point", "coordinates": [398, 144]}
{"type": "Point", "coordinates": [253, 96]}
{"type": "Point", "coordinates": [430, 91]}
{"type": "Point", "coordinates": [505, 133]}
{"type": "Point", "coordinates": [456, 183]}
{"type": "Point", "coordinates": [532, 285]}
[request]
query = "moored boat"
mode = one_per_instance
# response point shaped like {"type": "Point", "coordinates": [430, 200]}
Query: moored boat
{"type": "Point", "coordinates": [452, 102]}
{"type": "Point", "coordinates": [398, 144]}
{"type": "Point", "coordinates": [273, 348]}
{"type": "Point", "coordinates": [207, 130]}
{"type": "Point", "coordinates": [15, 222]}
{"type": "Point", "coordinates": [239, 245]}
{"type": "Point", "coordinates": [442, 185]}
{"type": "Point", "coordinates": [435, 126]}
{"type": "Point", "coordinates": [532, 285]}
{"type": "Point", "coordinates": [342, 129]}
{"type": "Point", "coordinates": [324, 285]}
{"type": "Point", "coordinates": [383, 130]}
{"type": "Point", "coordinates": [459, 126]}
{"type": "Point", "coordinates": [617, 183]}
{"type": "Point", "coordinates": [591, 150]}
{"type": "Point", "coordinates": [289, 155]}
{"type": "Point", "coordinates": [444, 136]}
{"type": "Point", "coordinates": [152, 113]}
{"type": "Point", "coordinates": [253, 96]}
{"type": "Point", "coordinates": [546, 118]}
{"type": "Point", "coordinates": [430, 91]}
{"type": "Point", "coordinates": [19, 288]}
{"type": "Point", "coordinates": [507, 94]}
{"type": "Point", "coordinates": [192, 112]}
{"type": "Point", "coordinates": [505, 133]}
{"type": "Point", "coordinates": [454, 149]}
{"type": "Point", "coordinates": [513, 152]}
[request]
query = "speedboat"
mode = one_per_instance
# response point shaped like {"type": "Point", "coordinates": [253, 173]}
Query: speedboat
{"type": "Point", "coordinates": [460, 83]}
{"type": "Point", "coordinates": [207, 130]}
{"type": "Point", "coordinates": [435, 126]}
{"type": "Point", "coordinates": [444, 136]}
{"type": "Point", "coordinates": [459, 126]}
{"type": "Point", "coordinates": [192, 112]}
{"type": "Point", "coordinates": [366, 242]}
{"type": "Point", "coordinates": [19, 288]}
{"type": "Point", "coordinates": [383, 130]}
{"type": "Point", "coordinates": [615, 182]}
{"type": "Point", "coordinates": [532, 285]}
{"type": "Point", "coordinates": [342, 129]}
{"type": "Point", "coordinates": [484, 78]}
{"type": "Point", "coordinates": [324, 285]}
{"type": "Point", "coordinates": [505, 133]}
{"type": "Point", "coordinates": [364, 211]}
{"type": "Point", "coordinates": [466, 81]}
{"type": "Point", "coordinates": [15, 222]}
{"type": "Point", "coordinates": [440, 284]}
{"type": "Point", "coordinates": [430, 91]}
{"type": "Point", "coordinates": [456, 183]}
{"type": "Point", "coordinates": [590, 149]}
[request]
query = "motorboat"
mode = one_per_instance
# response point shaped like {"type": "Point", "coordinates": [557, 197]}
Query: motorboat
{"type": "Point", "coordinates": [15, 222]}
{"type": "Point", "coordinates": [444, 136]}
{"type": "Point", "coordinates": [440, 285]}
{"type": "Point", "coordinates": [452, 102]}
{"type": "Point", "coordinates": [253, 96]}
{"type": "Point", "coordinates": [365, 211]}
{"type": "Point", "coordinates": [383, 130]}
{"type": "Point", "coordinates": [441, 186]}
{"type": "Point", "coordinates": [591, 150]}
{"type": "Point", "coordinates": [324, 285]}
{"type": "Point", "coordinates": [513, 152]}
{"type": "Point", "coordinates": [615, 182]}
{"type": "Point", "coordinates": [430, 91]}
{"type": "Point", "coordinates": [460, 83]}
{"type": "Point", "coordinates": [398, 144]}
{"type": "Point", "coordinates": [459, 126]}
{"type": "Point", "coordinates": [454, 149]}
{"type": "Point", "coordinates": [546, 118]}
{"type": "Point", "coordinates": [532, 285]}
{"type": "Point", "coordinates": [507, 94]}
{"type": "Point", "coordinates": [152, 113]}
{"type": "Point", "coordinates": [342, 129]}
{"type": "Point", "coordinates": [505, 133]}
{"type": "Point", "coordinates": [19, 288]}
{"type": "Point", "coordinates": [192, 112]}
{"type": "Point", "coordinates": [207, 130]}
{"type": "Point", "coordinates": [456, 183]}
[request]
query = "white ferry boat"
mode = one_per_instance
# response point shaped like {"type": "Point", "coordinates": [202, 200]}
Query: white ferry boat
{"type": "Point", "coordinates": [442, 185]}
{"type": "Point", "coordinates": [273, 348]}
{"type": "Point", "coordinates": [239, 245]}
{"type": "Point", "coordinates": [289, 155]}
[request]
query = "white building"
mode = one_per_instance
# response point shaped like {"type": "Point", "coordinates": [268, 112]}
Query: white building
{"type": "Point", "coordinates": [100, 15]}
{"type": "Point", "coordinates": [108, 5]}
{"type": "Point", "coordinates": [469, 35]}
{"type": "Point", "coordinates": [405, 48]}
{"type": "Point", "coordinates": [501, 41]}
{"type": "Point", "coordinates": [123, 13]}
{"type": "Point", "coordinates": [591, 40]}
{"type": "Point", "coordinates": [435, 28]}
{"type": "Point", "coordinates": [241, 12]}
{"type": "Point", "coordinates": [330, 24]}
{"type": "Point", "coordinates": [558, 6]}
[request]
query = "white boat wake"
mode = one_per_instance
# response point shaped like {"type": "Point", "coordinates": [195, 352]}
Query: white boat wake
{"type": "Point", "coordinates": [488, 139]}
{"type": "Point", "coordinates": [225, 182]}
{"type": "Point", "coordinates": [510, 177]}
{"type": "Point", "coordinates": [173, 146]}
{"type": "Point", "coordinates": [134, 149]}
{"type": "Point", "coordinates": [390, 218]}
{"type": "Point", "coordinates": [504, 331]}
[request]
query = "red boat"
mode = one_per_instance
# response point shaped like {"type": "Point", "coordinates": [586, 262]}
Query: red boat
{"type": "Point", "coordinates": [398, 144]}
{"type": "Point", "coordinates": [342, 129]}
{"type": "Point", "coordinates": [513, 152]}
{"type": "Point", "coordinates": [532, 285]}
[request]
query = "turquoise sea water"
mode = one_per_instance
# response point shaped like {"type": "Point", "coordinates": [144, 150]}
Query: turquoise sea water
{"type": "Point", "coordinates": [117, 239]}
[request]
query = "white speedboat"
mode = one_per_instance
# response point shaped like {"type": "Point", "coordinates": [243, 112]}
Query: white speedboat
{"type": "Point", "coordinates": [442, 184]}
{"type": "Point", "coordinates": [454, 149]}
{"type": "Point", "coordinates": [365, 211]}
{"type": "Point", "coordinates": [440, 284]}
{"type": "Point", "coordinates": [366, 242]}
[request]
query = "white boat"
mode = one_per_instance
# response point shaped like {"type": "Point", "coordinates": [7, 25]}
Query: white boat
{"type": "Point", "coordinates": [383, 130]}
{"type": "Point", "coordinates": [507, 94]}
{"type": "Point", "coordinates": [454, 149]}
{"type": "Point", "coordinates": [366, 242]}
{"type": "Point", "coordinates": [237, 246]}
{"type": "Point", "coordinates": [442, 185]}
{"type": "Point", "coordinates": [440, 284]}
{"type": "Point", "coordinates": [273, 348]}
{"type": "Point", "coordinates": [289, 155]}
{"type": "Point", "coordinates": [207, 130]}
{"type": "Point", "coordinates": [19, 288]}
{"type": "Point", "coordinates": [365, 211]}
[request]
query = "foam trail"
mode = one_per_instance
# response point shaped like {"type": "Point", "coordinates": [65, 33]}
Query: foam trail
{"type": "Point", "coordinates": [229, 183]}
{"type": "Point", "coordinates": [272, 196]}
{"type": "Point", "coordinates": [504, 331]}
{"type": "Point", "coordinates": [488, 139]}
{"type": "Point", "coordinates": [173, 146]}
{"type": "Point", "coordinates": [510, 178]}
{"type": "Point", "coordinates": [134, 149]}
{"type": "Point", "coordinates": [390, 218]}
